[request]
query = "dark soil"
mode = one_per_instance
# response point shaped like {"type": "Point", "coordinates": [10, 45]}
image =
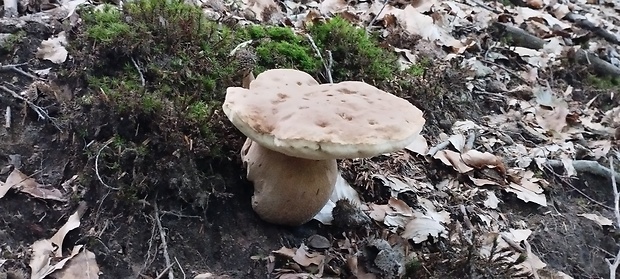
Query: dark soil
{"type": "Point", "coordinates": [212, 228]}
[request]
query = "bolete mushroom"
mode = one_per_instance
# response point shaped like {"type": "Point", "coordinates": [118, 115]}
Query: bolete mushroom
{"type": "Point", "coordinates": [296, 130]}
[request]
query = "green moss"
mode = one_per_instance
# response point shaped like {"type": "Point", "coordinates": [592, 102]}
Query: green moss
{"type": "Point", "coordinates": [106, 25]}
{"type": "Point", "coordinates": [160, 58]}
{"type": "Point", "coordinates": [10, 42]}
{"type": "Point", "coordinates": [279, 47]}
{"type": "Point", "coordinates": [418, 69]}
{"type": "Point", "coordinates": [602, 82]}
{"type": "Point", "coordinates": [356, 54]}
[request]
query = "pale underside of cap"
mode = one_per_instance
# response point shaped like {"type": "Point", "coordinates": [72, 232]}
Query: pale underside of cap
{"type": "Point", "coordinates": [329, 121]}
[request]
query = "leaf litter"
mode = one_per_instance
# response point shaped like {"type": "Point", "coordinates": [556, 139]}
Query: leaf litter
{"type": "Point", "coordinates": [541, 114]}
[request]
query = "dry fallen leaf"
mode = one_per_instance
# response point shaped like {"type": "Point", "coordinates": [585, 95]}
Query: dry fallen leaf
{"type": "Point", "coordinates": [286, 252]}
{"type": "Point", "coordinates": [453, 159]}
{"type": "Point", "coordinates": [491, 201]}
{"type": "Point", "coordinates": [602, 221]}
{"type": "Point", "coordinates": [82, 266]}
{"type": "Point", "coordinates": [28, 185]}
{"type": "Point", "coordinates": [418, 146]}
{"type": "Point", "coordinates": [72, 223]}
{"type": "Point", "coordinates": [41, 259]}
{"type": "Point", "coordinates": [53, 49]}
{"type": "Point", "coordinates": [4, 188]}
{"type": "Point", "coordinates": [479, 160]}
{"type": "Point", "coordinates": [527, 195]}
{"type": "Point", "coordinates": [428, 223]}
{"type": "Point", "coordinates": [420, 227]}
{"type": "Point", "coordinates": [305, 258]}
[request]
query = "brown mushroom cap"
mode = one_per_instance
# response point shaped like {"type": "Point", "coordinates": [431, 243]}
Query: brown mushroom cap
{"type": "Point", "coordinates": [350, 119]}
{"type": "Point", "coordinates": [282, 78]}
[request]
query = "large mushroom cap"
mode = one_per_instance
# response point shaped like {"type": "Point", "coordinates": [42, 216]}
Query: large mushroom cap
{"type": "Point", "coordinates": [282, 78]}
{"type": "Point", "coordinates": [329, 121]}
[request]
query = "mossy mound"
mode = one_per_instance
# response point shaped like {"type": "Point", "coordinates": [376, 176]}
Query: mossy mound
{"type": "Point", "coordinates": [157, 71]}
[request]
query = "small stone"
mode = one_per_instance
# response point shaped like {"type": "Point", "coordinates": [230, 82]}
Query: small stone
{"type": "Point", "coordinates": [318, 242]}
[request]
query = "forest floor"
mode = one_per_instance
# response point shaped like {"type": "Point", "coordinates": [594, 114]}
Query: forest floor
{"type": "Point", "coordinates": [117, 161]}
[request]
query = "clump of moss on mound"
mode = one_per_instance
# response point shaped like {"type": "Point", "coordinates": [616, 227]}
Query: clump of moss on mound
{"type": "Point", "coordinates": [357, 55]}
{"type": "Point", "coordinates": [155, 74]}
{"type": "Point", "coordinates": [163, 60]}
{"type": "Point", "coordinates": [279, 47]}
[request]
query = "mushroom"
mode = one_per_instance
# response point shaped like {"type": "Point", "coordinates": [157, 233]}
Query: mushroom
{"type": "Point", "coordinates": [297, 129]}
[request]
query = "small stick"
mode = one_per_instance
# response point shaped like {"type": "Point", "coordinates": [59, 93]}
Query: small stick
{"type": "Point", "coordinates": [528, 249]}
{"type": "Point", "coordinates": [438, 147]}
{"type": "Point", "coordinates": [616, 261]}
{"type": "Point", "coordinates": [135, 64]}
{"type": "Point", "coordinates": [330, 63]}
{"type": "Point", "coordinates": [162, 234]}
{"type": "Point", "coordinates": [39, 110]}
{"type": "Point", "coordinates": [181, 268]}
{"type": "Point", "coordinates": [97, 167]}
{"type": "Point", "coordinates": [13, 67]}
{"type": "Point", "coordinates": [377, 15]}
{"type": "Point", "coordinates": [318, 52]}
{"type": "Point", "coordinates": [161, 275]}
{"type": "Point", "coordinates": [591, 167]}
{"type": "Point", "coordinates": [7, 117]}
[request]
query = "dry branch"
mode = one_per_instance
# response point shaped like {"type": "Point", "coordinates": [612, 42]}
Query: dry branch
{"type": "Point", "coordinates": [164, 243]}
{"type": "Point", "coordinates": [14, 68]}
{"type": "Point", "coordinates": [613, 266]}
{"type": "Point", "coordinates": [7, 117]}
{"type": "Point", "coordinates": [600, 66]}
{"type": "Point", "coordinates": [520, 37]}
{"type": "Point", "coordinates": [582, 22]}
{"type": "Point", "coordinates": [327, 65]}
{"type": "Point", "coordinates": [591, 167]}
{"type": "Point", "coordinates": [42, 113]}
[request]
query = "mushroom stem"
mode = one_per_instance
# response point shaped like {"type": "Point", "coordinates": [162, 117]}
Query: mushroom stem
{"type": "Point", "coordinates": [287, 190]}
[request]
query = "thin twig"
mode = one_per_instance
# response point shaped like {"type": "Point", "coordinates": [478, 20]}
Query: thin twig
{"type": "Point", "coordinates": [181, 268]}
{"type": "Point", "coordinates": [164, 243]}
{"type": "Point", "coordinates": [7, 117]}
{"type": "Point", "coordinates": [149, 260]}
{"type": "Point", "coordinates": [41, 112]}
{"type": "Point", "coordinates": [161, 275]}
{"type": "Point", "coordinates": [616, 261]}
{"type": "Point", "coordinates": [528, 249]}
{"type": "Point", "coordinates": [550, 168]}
{"type": "Point", "coordinates": [318, 52]}
{"type": "Point", "coordinates": [438, 147]}
{"type": "Point", "coordinates": [587, 166]}
{"type": "Point", "coordinates": [97, 167]}
{"type": "Point", "coordinates": [135, 64]}
{"type": "Point", "coordinates": [372, 22]}
{"type": "Point", "coordinates": [330, 64]}
{"type": "Point", "coordinates": [13, 67]}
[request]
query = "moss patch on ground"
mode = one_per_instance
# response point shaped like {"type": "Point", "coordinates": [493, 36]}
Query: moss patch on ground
{"type": "Point", "coordinates": [160, 69]}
